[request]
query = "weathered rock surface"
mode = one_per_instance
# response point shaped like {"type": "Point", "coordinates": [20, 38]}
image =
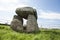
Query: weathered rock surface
{"type": "Point", "coordinates": [17, 24]}
{"type": "Point", "coordinates": [25, 11]}
{"type": "Point", "coordinates": [32, 24]}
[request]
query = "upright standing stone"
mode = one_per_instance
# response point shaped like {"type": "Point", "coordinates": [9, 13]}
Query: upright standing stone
{"type": "Point", "coordinates": [32, 24]}
{"type": "Point", "coordinates": [17, 23]}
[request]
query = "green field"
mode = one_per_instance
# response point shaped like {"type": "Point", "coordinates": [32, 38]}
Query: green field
{"type": "Point", "coordinates": [6, 33]}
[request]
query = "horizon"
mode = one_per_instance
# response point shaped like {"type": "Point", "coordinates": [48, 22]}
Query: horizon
{"type": "Point", "coordinates": [48, 11]}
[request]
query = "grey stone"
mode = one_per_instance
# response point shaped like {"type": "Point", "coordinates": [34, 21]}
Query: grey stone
{"type": "Point", "coordinates": [17, 24]}
{"type": "Point", "coordinates": [25, 11]}
{"type": "Point", "coordinates": [32, 24]}
{"type": "Point", "coordinates": [28, 13]}
{"type": "Point", "coordinates": [24, 28]}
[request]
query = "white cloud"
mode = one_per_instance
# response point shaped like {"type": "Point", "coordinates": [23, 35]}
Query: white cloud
{"type": "Point", "coordinates": [49, 15]}
{"type": "Point", "coordinates": [8, 1]}
{"type": "Point", "coordinates": [7, 5]}
{"type": "Point", "coordinates": [10, 6]}
{"type": "Point", "coordinates": [25, 22]}
{"type": "Point", "coordinates": [5, 19]}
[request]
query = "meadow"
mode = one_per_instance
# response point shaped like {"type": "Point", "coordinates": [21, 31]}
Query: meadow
{"type": "Point", "coordinates": [6, 33]}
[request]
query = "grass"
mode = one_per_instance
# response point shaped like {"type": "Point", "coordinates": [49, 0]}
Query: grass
{"type": "Point", "coordinates": [6, 33]}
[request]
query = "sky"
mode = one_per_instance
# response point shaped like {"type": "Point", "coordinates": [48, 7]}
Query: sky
{"type": "Point", "coordinates": [48, 11]}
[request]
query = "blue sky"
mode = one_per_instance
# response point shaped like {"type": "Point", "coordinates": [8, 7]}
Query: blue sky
{"type": "Point", "coordinates": [48, 11]}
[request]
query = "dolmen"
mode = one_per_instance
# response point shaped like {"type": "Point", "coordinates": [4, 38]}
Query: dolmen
{"type": "Point", "coordinates": [28, 13]}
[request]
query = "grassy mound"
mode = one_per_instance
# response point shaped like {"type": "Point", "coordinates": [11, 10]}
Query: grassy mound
{"type": "Point", "coordinates": [6, 33]}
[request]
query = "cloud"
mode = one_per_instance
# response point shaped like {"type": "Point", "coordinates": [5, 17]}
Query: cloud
{"type": "Point", "coordinates": [8, 1]}
{"type": "Point", "coordinates": [9, 5]}
{"type": "Point", "coordinates": [48, 15]}
{"type": "Point", "coordinates": [5, 19]}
